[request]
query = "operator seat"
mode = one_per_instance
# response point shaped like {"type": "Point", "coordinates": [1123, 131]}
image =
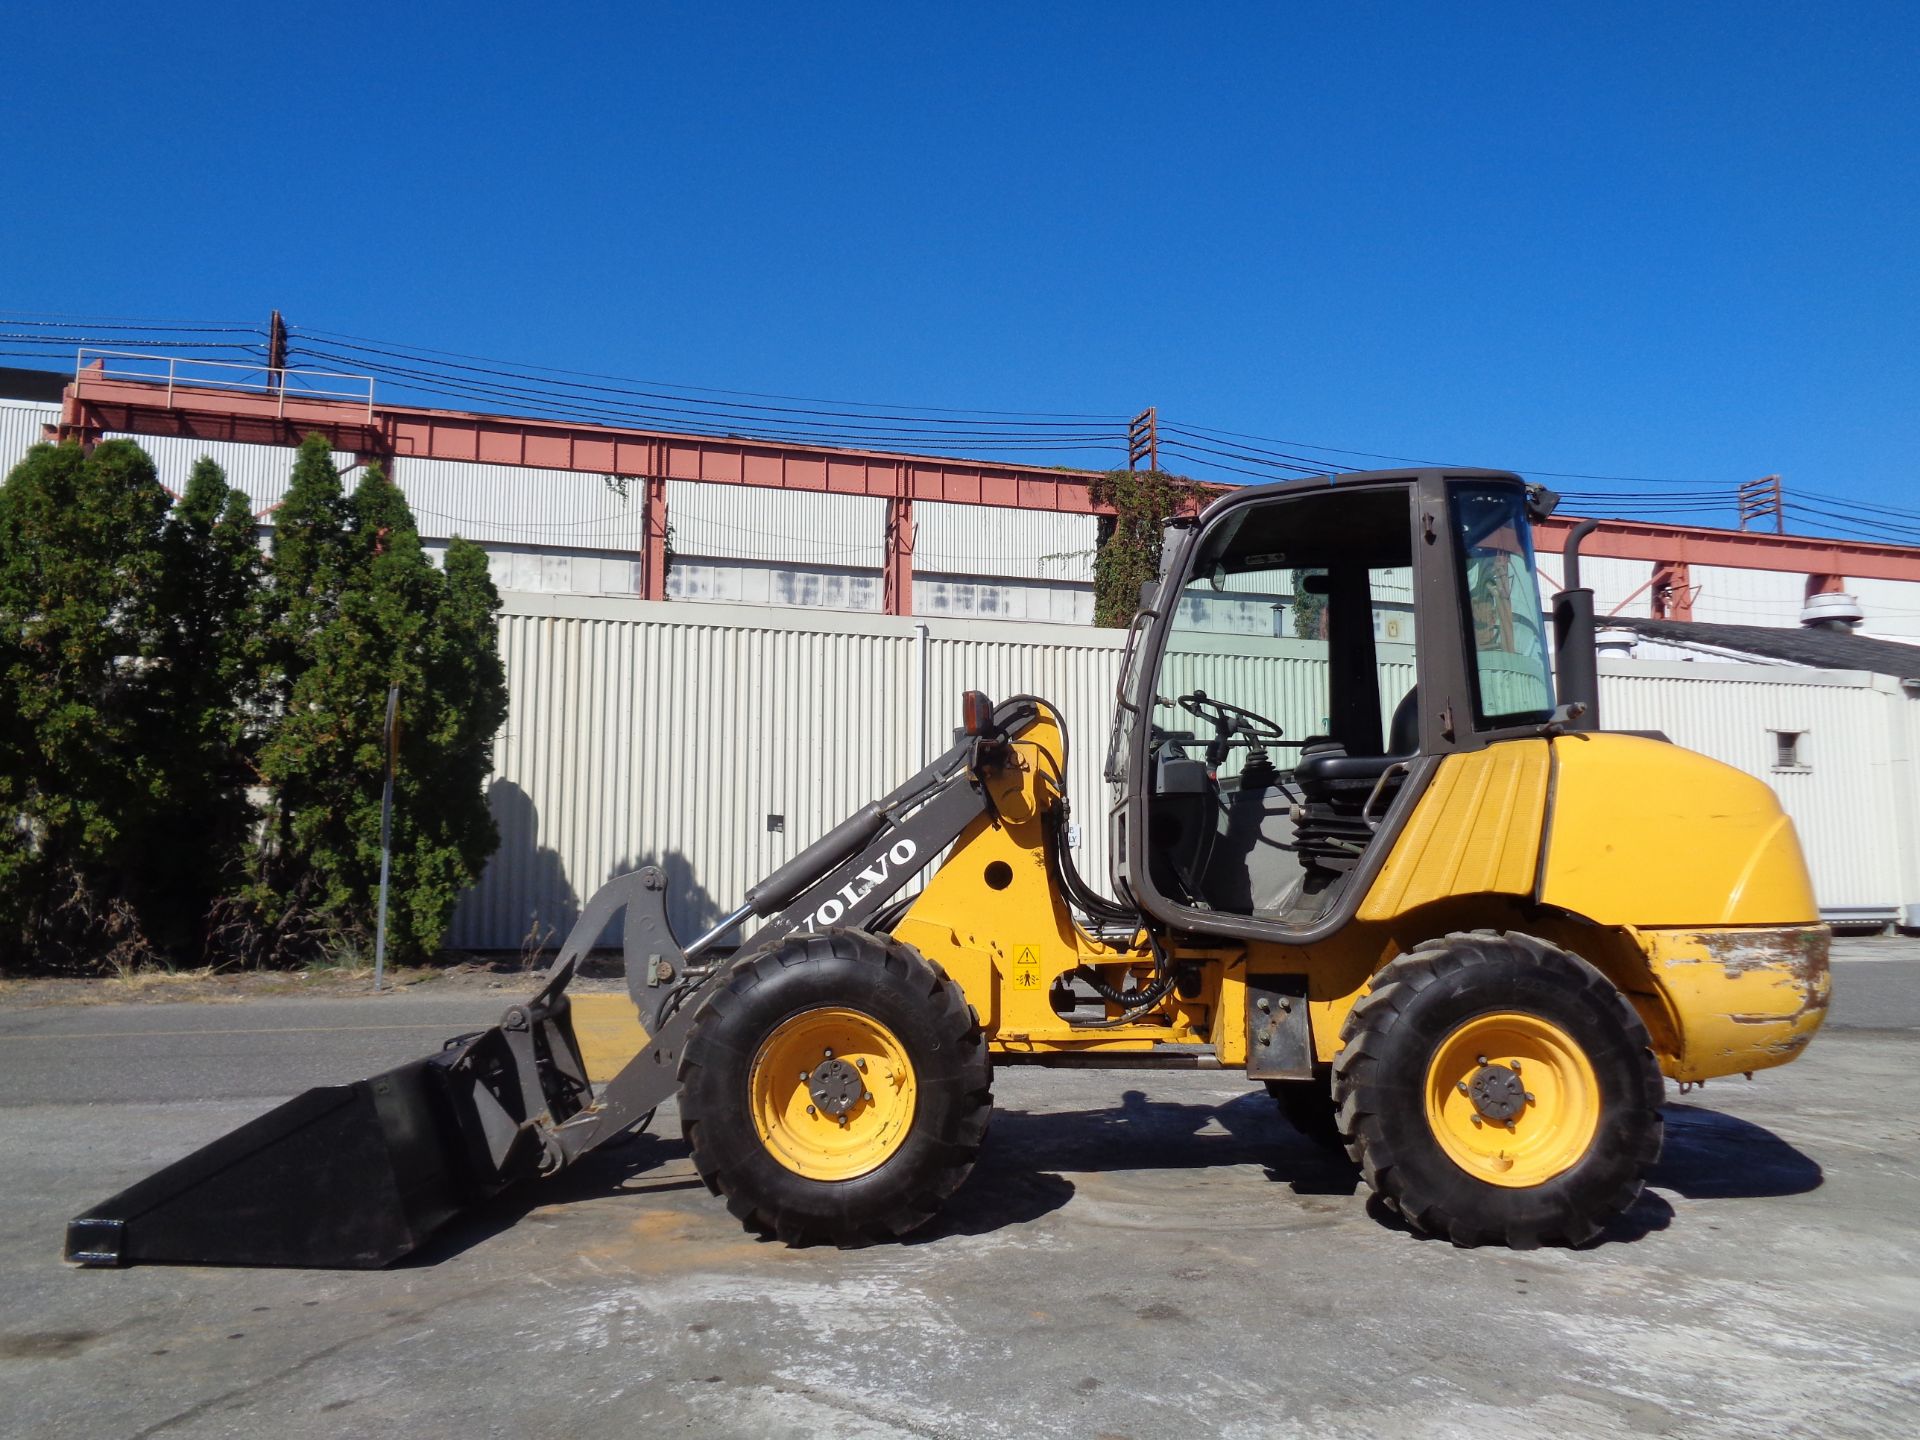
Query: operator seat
{"type": "Point", "coordinates": [1325, 770]}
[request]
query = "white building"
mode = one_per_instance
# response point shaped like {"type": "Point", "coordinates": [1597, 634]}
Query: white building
{"type": "Point", "coordinates": [777, 593]}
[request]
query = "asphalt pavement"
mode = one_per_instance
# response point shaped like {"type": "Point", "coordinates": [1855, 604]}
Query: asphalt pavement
{"type": "Point", "coordinates": [1137, 1255]}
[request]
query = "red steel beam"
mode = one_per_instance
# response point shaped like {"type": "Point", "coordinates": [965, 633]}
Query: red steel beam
{"type": "Point", "coordinates": [94, 405]}
{"type": "Point", "coordinates": [1736, 549]}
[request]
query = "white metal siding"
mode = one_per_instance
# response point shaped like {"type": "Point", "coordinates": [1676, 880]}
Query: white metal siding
{"type": "Point", "coordinates": [1891, 607]}
{"type": "Point", "coordinates": [658, 734]}
{"type": "Point", "coordinates": [1617, 585]}
{"type": "Point", "coordinates": [22, 426]}
{"type": "Point", "coordinates": [986, 598]}
{"type": "Point", "coordinates": [513, 505]}
{"type": "Point", "coordinates": [803, 527]}
{"type": "Point", "coordinates": [988, 540]}
{"type": "Point", "coordinates": [1725, 596]}
{"type": "Point", "coordinates": [667, 734]}
{"type": "Point", "coordinates": [260, 472]}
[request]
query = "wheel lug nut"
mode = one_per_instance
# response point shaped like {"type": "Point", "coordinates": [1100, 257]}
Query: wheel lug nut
{"type": "Point", "coordinates": [1461, 1086]}
{"type": "Point", "coordinates": [843, 1122]}
{"type": "Point", "coordinates": [1477, 1121]}
{"type": "Point", "coordinates": [1529, 1097]}
{"type": "Point", "coordinates": [862, 1064]}
{"type": "Point", "coordinates": [828, 1054]}
{"type": "Point", "coordinates": [805, 1075]}
{"type": "Point", "coordinates": [1511, 1127]}
{"type": "Point", "coordinates": [812, 1111]}
{"type": "Point", "coordinates": [1516, 1066]}
{"type": "Point", "coordinates": [867, 1095]}
{"type": "Point", "coordinates": [1479, 1059]}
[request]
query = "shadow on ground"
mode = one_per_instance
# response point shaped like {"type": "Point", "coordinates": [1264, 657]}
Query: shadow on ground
{"type": "Point", "coordinates": [1712, 1156]}
{"type": "Point", "coordinates": [1708, 1156]}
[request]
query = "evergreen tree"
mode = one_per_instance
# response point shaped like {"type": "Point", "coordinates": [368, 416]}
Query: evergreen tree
{"type": "Point", "coordinates": [310, 556]}
{"type": "Point", "coordinates": [453, 755]}
{"type": "Point", "coordinates": [206, 698]}
{"type": "Point", "coordinates": [379, 614]}
{"type": "Point", "coordinates": [81, 574]}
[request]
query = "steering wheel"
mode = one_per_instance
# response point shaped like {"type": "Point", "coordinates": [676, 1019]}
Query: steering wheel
{"type": "Point", "coordinates": [1230, 721]}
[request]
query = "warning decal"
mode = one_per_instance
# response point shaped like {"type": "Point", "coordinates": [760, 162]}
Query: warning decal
{"type": "Point", "coordinates": [1025, 969]}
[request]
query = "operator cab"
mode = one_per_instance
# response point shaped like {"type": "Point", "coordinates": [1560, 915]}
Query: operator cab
{"type": "Point", "coordinates": [1314, 649]}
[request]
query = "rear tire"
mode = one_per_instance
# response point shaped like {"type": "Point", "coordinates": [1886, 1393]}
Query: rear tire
{"type": "Point", "coordinates": [1497, 1090]}
{"type": "Point", "coordinates": [800, 1143]}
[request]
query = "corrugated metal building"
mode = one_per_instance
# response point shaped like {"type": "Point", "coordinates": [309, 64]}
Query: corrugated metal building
{"type": "Point", "coordinates": [716, 738]}
{"type": "Point", "coordinates": [717, 741]}
{"type": "Point", "coordinates": [563, 532]}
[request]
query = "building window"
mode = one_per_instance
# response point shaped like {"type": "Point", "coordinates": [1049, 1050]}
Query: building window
{"type": "Point", "coordinates": [1789, 750]}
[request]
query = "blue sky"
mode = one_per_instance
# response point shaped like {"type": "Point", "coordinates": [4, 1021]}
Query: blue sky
{"type": "Point", "coordinates": [1647, 240]}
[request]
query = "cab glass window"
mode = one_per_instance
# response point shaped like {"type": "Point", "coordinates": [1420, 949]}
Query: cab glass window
{"type": "Point", "coordinates": [1507, 634]}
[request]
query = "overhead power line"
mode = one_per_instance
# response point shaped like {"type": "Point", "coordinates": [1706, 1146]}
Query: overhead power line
{"type": "Point", "coordinates": [526, 366]}
{"type": "Point", "coordinates": [1095, 439]}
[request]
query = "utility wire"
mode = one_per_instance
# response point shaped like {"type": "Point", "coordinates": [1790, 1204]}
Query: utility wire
{"type": "Point", "coordinates": [704, 389]}
{"type": "Point", "coordinates": [483, 379]}
{"type": "Point", "coordinates": [669, 417]}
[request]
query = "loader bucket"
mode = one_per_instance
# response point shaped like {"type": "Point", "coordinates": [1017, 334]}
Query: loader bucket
{"type": "Point", "coordinates": [351, 1176]}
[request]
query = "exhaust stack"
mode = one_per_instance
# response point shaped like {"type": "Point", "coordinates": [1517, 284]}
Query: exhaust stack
{"type": "Point", "coordinates": [1574, 664]}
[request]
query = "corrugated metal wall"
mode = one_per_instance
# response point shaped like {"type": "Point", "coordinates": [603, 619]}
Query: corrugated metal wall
{"type": "Point", "coordinates": [669, 734]}
{"type": "Point", "coordinates": [22, 426]}
{"type": "Point", "coordinates": [1727, 596]}
{"type": "Point", "coordinates": [745, 522]}
{"type": "Point", "coordinates": [1892, 608]}
{"type": "Point", "coordinates": [515, 506]}
{"type": "Point", "coordinates": [976, 540]}
{"type": "Point", "coordinates": [260, 472]}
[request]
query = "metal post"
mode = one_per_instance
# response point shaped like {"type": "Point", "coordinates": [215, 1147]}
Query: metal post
{"type": "Point", "coordinates": [1143, 439]}
{"type": "Point", "coordinates": [1758, 499]}
{"type": "Point", "coordinates": [919, 693]}
{"type": "Point", "coordinates": [391, 734]}
{"type": "Point", "coordinates": [277, 354]}
{"type": "Point", "coordinates": [653, 560]}
{"type": "Point", "coordinates": [896, 575]}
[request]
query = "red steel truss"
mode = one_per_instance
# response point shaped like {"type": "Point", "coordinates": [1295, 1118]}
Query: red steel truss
{"type": "Point", "coordinates": [96, 404]}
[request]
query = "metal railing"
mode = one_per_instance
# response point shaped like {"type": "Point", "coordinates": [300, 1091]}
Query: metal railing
{"type": "Point", "coordinates": [178, 373]}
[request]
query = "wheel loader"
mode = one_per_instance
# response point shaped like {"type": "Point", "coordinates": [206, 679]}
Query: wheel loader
{"type": "Point", "coordinates": [1362, 850]}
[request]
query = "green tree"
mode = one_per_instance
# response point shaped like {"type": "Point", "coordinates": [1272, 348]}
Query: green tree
{"type": "Point", "coordinates": [281, 912]}
{"type": "Point", "coordinates": [365, 609]}
{"type": "Point", "coordinates": [1131, 538]}
{"type": "Point", "coordinates": [206, 697]}
{"type": "Point", "coordinates": [82, 565]}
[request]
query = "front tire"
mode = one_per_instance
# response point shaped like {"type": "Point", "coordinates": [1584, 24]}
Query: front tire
{"type": "Point", "coordinates": [836, 1089]}
{"type": "Point", "coordinates": [1497, 1090]}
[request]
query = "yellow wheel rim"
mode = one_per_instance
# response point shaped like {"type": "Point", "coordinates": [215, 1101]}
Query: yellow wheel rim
{"type": "Point", "coordinates": [833, 1093]}
{"type": "Point", "coordinates": [1512, 1099]}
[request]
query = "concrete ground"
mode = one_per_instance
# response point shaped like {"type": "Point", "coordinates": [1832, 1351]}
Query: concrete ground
{"type": "Point", "coordinates": [1137, 1255]}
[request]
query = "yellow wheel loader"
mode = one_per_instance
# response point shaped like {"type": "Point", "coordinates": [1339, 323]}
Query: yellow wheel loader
{"type": "Point", "coordinates": [1361, 850]}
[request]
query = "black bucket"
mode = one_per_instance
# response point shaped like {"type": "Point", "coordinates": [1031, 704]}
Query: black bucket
{"type": "Point", "coordinates": [342, 1177]}
{"type": "Point", "coordinates": [345, 1176]}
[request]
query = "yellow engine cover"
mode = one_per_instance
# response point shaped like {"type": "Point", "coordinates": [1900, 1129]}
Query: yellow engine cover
{"type": "Point", "coordinates": [1647, 834]}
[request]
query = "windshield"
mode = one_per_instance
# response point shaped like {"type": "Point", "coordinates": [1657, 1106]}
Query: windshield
{"type": "Point", "coordinates": [1512, 679]}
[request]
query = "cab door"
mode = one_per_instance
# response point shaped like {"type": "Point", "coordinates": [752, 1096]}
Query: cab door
{"type": "Point", "coordinates": [1270, 714]}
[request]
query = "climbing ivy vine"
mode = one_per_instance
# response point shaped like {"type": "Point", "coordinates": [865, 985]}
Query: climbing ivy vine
{"type": "Point", "coordinates": [1130, 539]}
